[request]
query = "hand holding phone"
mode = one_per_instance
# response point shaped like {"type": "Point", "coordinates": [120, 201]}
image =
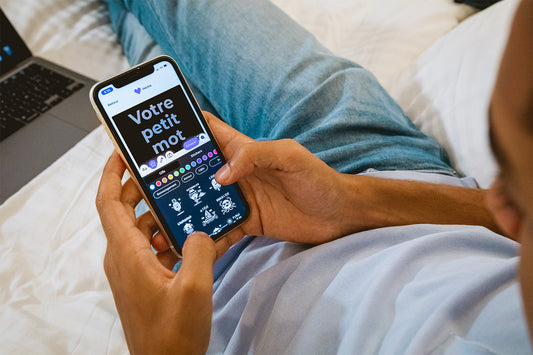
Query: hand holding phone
{"type": "Point", "coordinates": [294, 196]}
{"type": "Point", "coordinates": [180, 302]}
{"type": "Point", "coordinates": [157, 127]}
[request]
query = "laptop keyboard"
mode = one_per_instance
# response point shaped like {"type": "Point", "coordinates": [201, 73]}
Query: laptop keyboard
{"type": "Point", "coordinates": [29, 93]}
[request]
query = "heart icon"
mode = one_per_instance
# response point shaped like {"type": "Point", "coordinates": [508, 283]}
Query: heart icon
{"type": "Point", "coordinates": [137, 91]}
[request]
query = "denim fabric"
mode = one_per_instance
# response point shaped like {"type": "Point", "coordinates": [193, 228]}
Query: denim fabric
{"type": "Point", "coordinates": [266, 76]}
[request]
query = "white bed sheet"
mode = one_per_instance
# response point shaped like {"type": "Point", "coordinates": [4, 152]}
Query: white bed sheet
{"type": "Point", "coordinates": [54, 297]}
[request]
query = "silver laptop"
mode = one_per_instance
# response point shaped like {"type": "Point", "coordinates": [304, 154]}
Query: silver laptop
{"type": "Point", "coordinates": [44, 111]}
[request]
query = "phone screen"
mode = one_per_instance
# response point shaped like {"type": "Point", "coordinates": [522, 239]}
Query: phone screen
{"type": "Point", "coordinates": [160, 129]}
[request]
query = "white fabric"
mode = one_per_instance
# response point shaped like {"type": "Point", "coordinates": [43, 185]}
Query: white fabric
{"type": "Point", "coordinates": [447, 90]}
{"type": "Point", "coordinates": [419, 289]}
{"type": "Point", "coordinates": [55, 298]}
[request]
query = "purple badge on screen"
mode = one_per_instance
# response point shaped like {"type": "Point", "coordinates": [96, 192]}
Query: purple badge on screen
{"type": "Point", "coordinates": [191, 143]}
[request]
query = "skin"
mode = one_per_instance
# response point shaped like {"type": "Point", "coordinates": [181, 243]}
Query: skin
{"type": "Point", "coordinates": [295, 196]}
{"type": "Point", "coordinates": [154, 304]}
{"type": "Point", "coordinates": [511, 119]}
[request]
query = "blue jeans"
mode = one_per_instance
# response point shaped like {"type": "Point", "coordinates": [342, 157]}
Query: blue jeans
{"type": "Point", "coordinates": [259, 71]}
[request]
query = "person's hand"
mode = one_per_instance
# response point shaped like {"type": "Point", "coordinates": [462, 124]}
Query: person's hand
{"type": "Point", "coordinates": [293, 195]}
{"type": "Point", "coordinates": [161, 312]}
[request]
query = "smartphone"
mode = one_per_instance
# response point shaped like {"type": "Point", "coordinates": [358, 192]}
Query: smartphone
{"type": "Point", "coordinates": [158, 128]}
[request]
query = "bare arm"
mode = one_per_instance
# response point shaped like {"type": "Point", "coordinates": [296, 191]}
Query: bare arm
{"type": "Point", "coordinates": [376, 202]}
{"type": "Point", "coordinates": [295, 196]}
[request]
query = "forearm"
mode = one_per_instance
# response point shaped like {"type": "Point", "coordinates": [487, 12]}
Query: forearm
{"type": "Point", "coordinates": [372, 202]}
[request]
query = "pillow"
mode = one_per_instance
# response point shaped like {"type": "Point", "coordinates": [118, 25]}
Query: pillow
{"type": "Point", "coordinates": [480, 4]}
{"type": "Point", "coordinates": [447, 90]}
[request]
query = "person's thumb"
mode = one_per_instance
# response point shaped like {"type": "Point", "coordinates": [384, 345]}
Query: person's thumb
{"type": "Point", "coordinates": [278, 155]}
{"type": "Point", "coordinates": [199, 256]}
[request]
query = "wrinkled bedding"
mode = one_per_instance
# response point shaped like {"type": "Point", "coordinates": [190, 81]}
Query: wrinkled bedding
{"type": "Point", "coordinates": [54, 297]}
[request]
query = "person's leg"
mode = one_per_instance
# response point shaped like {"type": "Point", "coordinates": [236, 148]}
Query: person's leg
{"type": "Point", "coordinates": [139, 46]}
{"type": "Point", "coordinates": [269, 78]}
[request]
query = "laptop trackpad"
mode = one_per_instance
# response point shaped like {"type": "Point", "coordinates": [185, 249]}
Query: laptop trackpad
{"type": "Point", "coordinates": [43, 142]}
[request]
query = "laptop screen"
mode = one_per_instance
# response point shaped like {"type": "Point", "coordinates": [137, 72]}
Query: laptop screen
{"type": "Point", "coordinates": [12, 47]}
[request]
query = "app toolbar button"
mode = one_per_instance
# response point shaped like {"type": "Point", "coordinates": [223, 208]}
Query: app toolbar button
{"type": "Point", "coordinates": [214, 162]}
{"type": "Point", "coordinates": [191, 143]}
{"type": "Point", "coordinates": [201, 169]}
{"type": "Point", "coordinates": [165, 190]}
{"type": "Point", "coordinates": [187, 177]}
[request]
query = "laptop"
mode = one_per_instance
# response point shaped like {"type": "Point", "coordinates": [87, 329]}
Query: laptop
{"type": "Point", "coordinates": [44, 111]}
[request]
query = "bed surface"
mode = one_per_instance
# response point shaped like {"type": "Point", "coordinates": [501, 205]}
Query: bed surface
{"type": "Point", "coordinates": [54, 296]}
